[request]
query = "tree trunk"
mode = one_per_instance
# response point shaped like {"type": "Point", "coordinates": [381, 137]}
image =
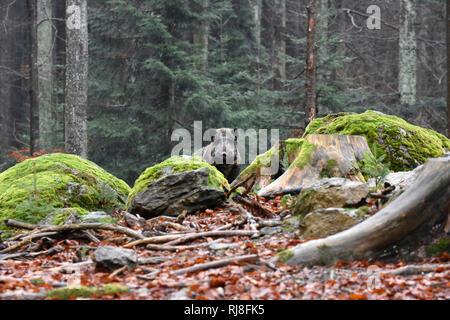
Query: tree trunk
{"type": "Point", "coordinates": [44, 58]}
{"type": "Point", "coordinates": [34, 77]}
{"type": "Point", "coordinates": [6, 78]}
{"type": "Point", "coordinates": [414, 213]}
{"type": "Point", "coordinates": [257, 11]}
{"type": "Point", "coordinates": [407, 54]}
{"type": "Point", "coordinates": [58, 72]}
{"type": "Point", "coordinates": [323, 36]}
{"type": "Point", "coordinates": [310, 74]}
{"type": "Point", "coordinates": [205, 38]}
{"type": "Point", "coordinates": [448, 67]}
{"type": "Point", "coordinates": [75, 119]}
{"type": "Point", "coordinates": [279, 44]}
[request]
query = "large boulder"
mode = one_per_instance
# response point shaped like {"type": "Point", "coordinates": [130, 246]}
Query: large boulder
{"type": "Point", "coordinates": [330, 193]}
{"type": "Point", "coordinates": [34, 188]}
{"type": "Point", "coordinates": [406, 146]}
{"type": "Point", "coordinates": [177, 184]}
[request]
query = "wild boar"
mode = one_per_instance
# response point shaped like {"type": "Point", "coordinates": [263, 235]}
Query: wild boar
{"type": "Point", "coordinates": [223, 153]}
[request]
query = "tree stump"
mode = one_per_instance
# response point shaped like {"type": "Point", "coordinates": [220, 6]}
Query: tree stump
{"type": "Point", "coordinates": [327, 156]}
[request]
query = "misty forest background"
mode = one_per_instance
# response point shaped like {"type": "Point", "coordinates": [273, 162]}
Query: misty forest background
{"type": "Point", "coordinates": [158, 65]}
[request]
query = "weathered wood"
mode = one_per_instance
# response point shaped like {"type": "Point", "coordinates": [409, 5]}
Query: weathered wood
{"type": "Point", "coordinates": [216, 264]}
{"type": "Point", "coordinates": [343, 149]}
{"type": "Point", "coordinates": [424, 204]}
{"type": "Point", "coordinates": [224, 233]}
{"type": "Point", "coordinates": [19, 224]}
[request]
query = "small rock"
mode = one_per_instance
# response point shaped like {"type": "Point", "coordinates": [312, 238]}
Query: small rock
{"type": "Point", "coordinates": [267, 231]}
{"type": "Point", "coordinates": [180, 295]}
{"type": "Point", "coordinates": [322, 223]}
{"type": "Point", "coordinates": [330, 193]}
{"type": "Point", "coordinates": [133, 221]}
{"type": "Point", "coordinates": [113, 257]}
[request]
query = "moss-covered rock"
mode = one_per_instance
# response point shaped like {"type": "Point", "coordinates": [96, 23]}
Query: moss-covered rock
{"type": "Point", "coordinates": [322, 223]}
{"type": "Point", "coordinates": [406, 145]}
{"type": "Point", "coordinates": [32, 189]}
{"type": "Point", "coordinates": [176, 164]}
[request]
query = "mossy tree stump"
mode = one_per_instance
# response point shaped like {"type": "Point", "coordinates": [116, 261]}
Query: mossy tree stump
{"type": "Point", "coordinates": [321, 156]}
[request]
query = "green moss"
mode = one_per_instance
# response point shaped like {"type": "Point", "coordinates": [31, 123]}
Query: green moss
{"type": "Point", "coordinates": [72, 291]}
{"type": "Point", "coordinates": [112, 288]}
{"type": "Point", "coordinates": [37, 281]}
{"type": "Point", "coordinates": [285, 255]}
{"type": "Point", "coordinates": [32, 189]}
{"type": "Point", "coordinates": [305, 155]}
{"type": "Point", "coordinates": [329, 170]}
{"type": "Point", "coordinates": [440, 247]}
{"type": "Point", "coordinates": [293, 145]}
{"type": "Point", "coordinates": [176, 164]}
{"type": "Point", "coordinates": [363, 210]}
{"type": "Point", "coordinates": [262, 160]}
{"type": "Point", "coordinates": [405, 145]}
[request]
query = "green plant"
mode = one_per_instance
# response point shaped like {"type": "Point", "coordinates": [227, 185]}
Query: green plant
{"type": "Point", "coordinates": [286, 200]}
{"type": "Point", "coordinates": [373, 166]}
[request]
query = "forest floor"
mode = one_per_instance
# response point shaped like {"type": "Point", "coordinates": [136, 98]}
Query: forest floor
{"type": "Point", "coordinates": [33, 274]}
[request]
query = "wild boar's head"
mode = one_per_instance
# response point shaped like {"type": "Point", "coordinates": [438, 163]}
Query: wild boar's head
{"type": "Point", "coordinates": [223, 148]}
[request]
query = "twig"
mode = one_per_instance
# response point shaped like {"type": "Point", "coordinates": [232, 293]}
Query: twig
{"type": "Point", "coordinates": [160, 247]}
{"type": "Point", "coordinates": [175, 226]}
{"type": "Point", "coordinates": [26, 240]}
{"type": "Point", "coordinates": [295, 190]}
{"type": "Point", "coordinates": [224, 233]}
{"type": "Point", "coordinates": [249, 217]}
{"type": "Point", "coordinates": [237, 185]}
{"type": "Point", "coordinates": [216, 264]}
{"type": "Point", "coordinates": [412, 269]}
{"type": "Point", "coordinates": [157, 239]}
{"type": "Point", "coordinates": [83, 226]}
{"type": "Point", "coordinates": [153, 260]}
{"type": "Point", "coordinates": [91, 236]}
{"type": "Point", "coordinates": [19, 224]}
{"type": "Point", "coordinates": [254, 204]}
{"type": "Point", "coordinates": [117, 271]}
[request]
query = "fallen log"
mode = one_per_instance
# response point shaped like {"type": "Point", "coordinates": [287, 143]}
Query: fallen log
{"type": "Point", "coordinates": [423, 205]}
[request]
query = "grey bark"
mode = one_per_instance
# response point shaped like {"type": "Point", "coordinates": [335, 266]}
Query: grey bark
{"type": "Point", "coordinates": [33, 88]}
{"type": "Point", "coordinates": [205, 38]}
{"type": "Point", "coordinates": [448, 67]}
{"type": "Point", "coordinates": [44, 59]}
{"type": "Point", "coordinates": [257, 12]}
{"type": "Point", "coordinates": [310, 74]}
{"type": "Point", "coordinates": [76, 94]}
{"type": "Point", "coordinates": [6, 40]}
{"type": "Point", "coordinates": [407, 53]}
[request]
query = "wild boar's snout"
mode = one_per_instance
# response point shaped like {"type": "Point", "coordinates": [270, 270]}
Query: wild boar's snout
{"type": "Point", "coordinates": [223, 152]}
